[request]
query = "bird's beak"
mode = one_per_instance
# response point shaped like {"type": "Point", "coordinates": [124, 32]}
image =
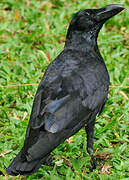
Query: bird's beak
{"type": "Point", "coordinates": [107, 12]}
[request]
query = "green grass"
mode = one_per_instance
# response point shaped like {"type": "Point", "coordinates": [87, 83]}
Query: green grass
{"type": "Point", "coordinates": [32, 34]}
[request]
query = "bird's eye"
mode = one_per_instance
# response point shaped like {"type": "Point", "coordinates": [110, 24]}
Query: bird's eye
{"type": "Point", "coordinates": [87, 14]}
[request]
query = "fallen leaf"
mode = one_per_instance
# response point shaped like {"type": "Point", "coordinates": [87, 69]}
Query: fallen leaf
{"type": "Point", "coordinates": [15, 116]}
{"type": "Point", "coordinates": [105, 169]}
{"type": "Point", "coordinates": [77, 172]}
{"type": "Point", "coordinates": [47, 26]}
{"type": "Point", "coordinates": [123, 29]}
{"type": "Point", "coordinates": [28, 3]}
{"type": "Point", "coordinates": [103, 156]}
{"type": "Point", "coordinates": [68, 162]}
{"type": "Point", "coordinates": [59, 162]}
{"type": "Point", "coordinates": [16, 15]}
{"type": "Point", "coordinates": [70, 140]}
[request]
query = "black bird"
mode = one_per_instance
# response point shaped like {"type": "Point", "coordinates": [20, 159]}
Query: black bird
{"type": "Point", "coordinates": [71, 94]}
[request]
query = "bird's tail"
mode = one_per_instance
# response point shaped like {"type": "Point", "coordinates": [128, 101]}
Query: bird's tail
{"type": "Point", "coordinates": [28, 162]}
{"type": "Point", "coordinates": [25, 168]}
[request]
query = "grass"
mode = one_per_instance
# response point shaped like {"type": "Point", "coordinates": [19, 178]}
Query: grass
{"type": "Point", "coordinates": [32, 34]}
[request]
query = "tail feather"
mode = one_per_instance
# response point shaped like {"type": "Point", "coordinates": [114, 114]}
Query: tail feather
{"type": "Point", "coordinates": [24, 168]}
{"type": "Point", "coordinates": [29, 163]}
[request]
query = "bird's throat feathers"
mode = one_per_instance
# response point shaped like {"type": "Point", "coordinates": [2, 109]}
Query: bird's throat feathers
{"type": "Point", "coordinates": [82, 40]}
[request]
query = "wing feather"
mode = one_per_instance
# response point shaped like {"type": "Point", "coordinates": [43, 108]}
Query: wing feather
{"type": "Point", "coordinates": [67, 97]}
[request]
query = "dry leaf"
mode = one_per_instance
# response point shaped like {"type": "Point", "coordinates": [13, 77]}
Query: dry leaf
{"type": "Point", "coordinates": [16, 15]}
{"type": "Point", "coordinates": [67, 162]}
{"type": "Point", "coordinates": [28, 3]}
{"type": "Point", "coordinates": [46, 3]}
{"type": "Point", "coordinates": [105, 169]}
{"type": "Point", "coordinates": [77, 172]}
{"type": "Point", "coordinates": [3, 36]}
{"type": "Point", "coordinates": [103, 156]}
{"type": "Point", "coordinates": [69, 141]}
{"type": "Point", "coordinates": [123, 29]}
{"type": "Point", "coordinates": [15, 116]}
{"type": "Point", "coordinates": [47, 26]}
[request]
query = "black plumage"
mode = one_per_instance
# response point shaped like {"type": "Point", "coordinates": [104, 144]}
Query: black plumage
{"type": "Point", "coordinates": [71, 93]}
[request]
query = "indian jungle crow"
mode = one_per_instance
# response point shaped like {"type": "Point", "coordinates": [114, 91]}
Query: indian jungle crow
{"type": "Point", "coordinates": [72, 92]}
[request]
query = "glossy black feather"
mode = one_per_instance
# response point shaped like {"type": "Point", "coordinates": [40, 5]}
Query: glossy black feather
{"type": "Point", "coordinates": [72, 92]}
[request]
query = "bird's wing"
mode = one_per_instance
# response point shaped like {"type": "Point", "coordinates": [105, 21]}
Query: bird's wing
{"type": "Point", "coordinates": [70, 96]}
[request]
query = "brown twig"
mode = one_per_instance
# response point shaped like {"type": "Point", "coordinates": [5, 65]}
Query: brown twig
{"type": "Point", "coordinates": [4, 153]}
{"type": "Point", "coordinates": [124, 94]}
{"type": "Point", "coordinates": [18, 85]}
{"type": "Point", "coordinates": [45, 56]}
{"type": "Point", "coordinates": [118, 86]}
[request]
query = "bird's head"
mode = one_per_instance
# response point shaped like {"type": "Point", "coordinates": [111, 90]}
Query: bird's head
{"type": "Point", "coordinates": [87, 19]}
{"type": "Point", "coordinates": [86, 24]}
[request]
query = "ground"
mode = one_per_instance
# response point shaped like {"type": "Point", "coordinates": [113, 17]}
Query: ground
{"type": "Point", "coordinates": [32, 34]}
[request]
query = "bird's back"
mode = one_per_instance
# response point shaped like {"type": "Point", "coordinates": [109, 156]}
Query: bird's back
{"type": "Point", "coordinates": [69, 93]}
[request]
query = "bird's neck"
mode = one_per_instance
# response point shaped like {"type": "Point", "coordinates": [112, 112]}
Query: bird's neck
{"type": "Point", "coordinates": [82, 41]}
